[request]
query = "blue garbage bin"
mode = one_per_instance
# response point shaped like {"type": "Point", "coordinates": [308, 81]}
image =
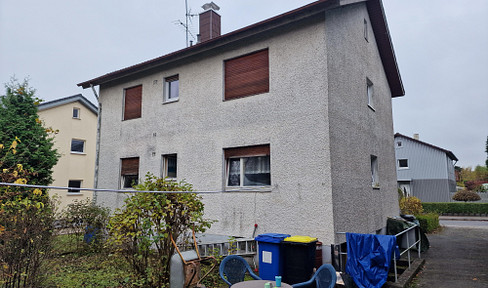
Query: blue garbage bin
{"type": "Point", "coordinates": [270, 255]}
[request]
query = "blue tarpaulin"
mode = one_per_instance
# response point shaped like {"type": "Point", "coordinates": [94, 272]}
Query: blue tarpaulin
{"type": "Point", "coordinates": [369, 257]}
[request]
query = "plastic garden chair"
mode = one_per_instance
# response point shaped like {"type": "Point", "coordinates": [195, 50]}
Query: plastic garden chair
{"type": "Point", "coordinates": [325, 277]}
{"type": "Point", "coordinates": [233, 269]}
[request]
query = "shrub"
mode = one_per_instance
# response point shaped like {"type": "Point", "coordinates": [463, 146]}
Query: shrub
{"type": "Point", "coordinates": [142, 229]}
{"type": "Point", "coordinates": [466, 195]}
{"type": "Point", "coordinates": [429, 221]}
{"type": "Point", "coordinates": [453, 207]}
{"type": "Point", "coordinates": [26, 217]}
{"type": "Point", "coordinates": [85, 218]}
{"type": "Point", "coordinates": [411, 205]}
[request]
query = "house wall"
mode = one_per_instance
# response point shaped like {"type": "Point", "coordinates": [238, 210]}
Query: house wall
{"type": "Point", "coordinates": [292, 118]}
{"type": "Point", "coordinates": [72, 166]}
{"type": "Point", "coordinates": [358, 131]}
{"type": "Point", "coordinates": [430, 171]}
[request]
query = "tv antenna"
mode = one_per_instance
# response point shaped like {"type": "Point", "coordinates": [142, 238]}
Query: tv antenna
{"type": "Point", "coordinates": [186, 26]}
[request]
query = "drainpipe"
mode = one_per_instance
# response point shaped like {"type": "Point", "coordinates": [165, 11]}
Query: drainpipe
{"type": "Point", "coordinates": [97, 152]}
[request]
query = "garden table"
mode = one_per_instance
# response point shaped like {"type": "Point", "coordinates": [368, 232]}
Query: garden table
{"type": "Point", "coordinates": [258, 284]}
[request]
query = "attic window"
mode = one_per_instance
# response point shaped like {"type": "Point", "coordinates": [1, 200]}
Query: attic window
{"type": "Point", "coordinates": [76, 113]}
{"type": "Point", "coordinates": [399, 144]}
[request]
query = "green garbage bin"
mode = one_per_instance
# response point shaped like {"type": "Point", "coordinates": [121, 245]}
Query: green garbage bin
{"type": "Point", "coordinates": [299, 256]}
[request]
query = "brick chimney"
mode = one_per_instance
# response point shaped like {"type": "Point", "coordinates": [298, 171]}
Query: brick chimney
{"type": "Point", "coordinates": [209, 22]}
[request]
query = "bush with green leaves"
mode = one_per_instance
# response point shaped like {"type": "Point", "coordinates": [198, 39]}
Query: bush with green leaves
{"type": "Point", "coordinates": [466, 196]}
{"type": "Point", "coordinates": [411, 205]}
{"type": "Point", "coordinates": [456, 207]}
{"type": "Point", "coordinates": [84, 218]}
{"type": "Point", "coordinates": [26, 217]}
{"type": "Point", "coordinates": [428, 221]}
{"type": "Point", "coordinates": [142, 229]}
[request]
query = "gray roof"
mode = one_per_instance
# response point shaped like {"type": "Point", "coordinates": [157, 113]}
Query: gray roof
{"type": "Point", "coordinates": [75, 98]}
{"type": "Point", "coordinates": [449, 153]}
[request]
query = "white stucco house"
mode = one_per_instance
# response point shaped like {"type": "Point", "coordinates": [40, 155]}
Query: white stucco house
{"type": "Point", "coordinates": [291, 118]}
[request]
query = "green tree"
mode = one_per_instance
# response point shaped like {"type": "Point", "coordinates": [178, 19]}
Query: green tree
{"type": "Point", "coordinates": [31, 143]}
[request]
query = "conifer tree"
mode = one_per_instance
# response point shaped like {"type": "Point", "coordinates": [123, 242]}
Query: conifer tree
{"type": "Point", "coordinates": [23, 134]}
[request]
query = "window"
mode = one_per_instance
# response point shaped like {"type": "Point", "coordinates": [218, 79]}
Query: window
{"type": "Point", "coordinates": [171, 89]}
{"type": "Point", "coordinates": [77, 146]}
{"type": "Point", "coordinates": [247, 75]}
{"type": "Point", "coordinates": [374, 172]}
{"type": "Point", "coordinates": [402, 163]}
{"type": "Point", "coordinates": [132, 103]}
{"type": "Point", "coordinates": [169, 166]}
{"type": "Point", "coordinates": [74, 184]}
{"type": "Point", "coordinates": [370, 92]}
{"type": "Point", "coordinates": [248, 166]}
{"type": "Point", "coordinates": [76, 113]}
{"type": "Point", "coordinates": [365, 27]}
{"type": "Point", "coordinates": [399, 143]}
{"type": "Point", "coordinates": [129, 172]}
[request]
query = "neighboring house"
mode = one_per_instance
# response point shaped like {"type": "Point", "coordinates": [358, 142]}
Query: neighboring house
{"type": "Point", "coordinates": [291, 117]}
{"type": "Point", "coordinates": [76, 119]}
{"type": "Point", "coordinates": [424, 170]}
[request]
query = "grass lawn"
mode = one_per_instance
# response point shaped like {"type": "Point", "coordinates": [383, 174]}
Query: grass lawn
{"type": "Point", "coordinates": [72, 266]}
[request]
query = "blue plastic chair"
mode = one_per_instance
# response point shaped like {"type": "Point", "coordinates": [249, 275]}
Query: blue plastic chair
{"type": "Point", "coordinates": [233, 269]}
{"type": "Point", "coordinates": [325, 277]}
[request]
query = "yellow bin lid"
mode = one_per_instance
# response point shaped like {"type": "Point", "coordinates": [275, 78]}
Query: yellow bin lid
{"type": "Point", "coordinates": [300, 239]}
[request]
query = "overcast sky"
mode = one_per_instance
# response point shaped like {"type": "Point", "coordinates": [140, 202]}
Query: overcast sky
{"type": "Point", "coordinates": [441, 48]}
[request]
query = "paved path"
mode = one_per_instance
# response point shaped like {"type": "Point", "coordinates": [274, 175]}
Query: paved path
{"type": "Point", "coordinates": [458, 257]}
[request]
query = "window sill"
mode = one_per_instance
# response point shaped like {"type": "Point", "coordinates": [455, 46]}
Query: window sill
{"type": "Point", "coordinates": [77, 118]}
{"type": "Point", "coordinates": [78, 153]}
{"type": "Point", "coordinates": [371, 107]}
{"type": "Point", "coordinates": [376, 187]}
{"type": "Point", "coordinates": [74, 194]}
{"type": "Point", "coordinates": [170, 101]}
{"type": "Point", "coordinates": [248, 189]}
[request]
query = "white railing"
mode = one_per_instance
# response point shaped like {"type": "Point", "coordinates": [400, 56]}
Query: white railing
{"type": "Point", "coordinates": [406, 245]}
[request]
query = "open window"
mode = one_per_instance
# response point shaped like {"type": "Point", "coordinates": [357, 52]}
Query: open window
{"type": "Point", "coordinates": [129, 172]}
{"type": "Point", "coordinates": [170, 166]}
{"type": "Point", "coordinates": [248, 166]}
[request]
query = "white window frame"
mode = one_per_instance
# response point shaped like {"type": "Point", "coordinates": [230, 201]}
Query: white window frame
{"type": "Point", "coordinates": [241, 174]}
{"type": "Point", "coordinates": [77, 152]}
{"type": "Point", "coordinates": [167, 89]}
{"type": "Point", "coordinates": [370, 93]}
{"type": "Point", "coordinates": [75, 190]}
{"type": "Point", "coordinates": [399, 144]}
{"type": "Point", "coordinates": [77, 113]}
{"type": "Point", "coordinates": [166, 166]}
{"type": "Point", "coordinates": [375, 181]}
{"type": "Point", "coordinates": [403, 167]}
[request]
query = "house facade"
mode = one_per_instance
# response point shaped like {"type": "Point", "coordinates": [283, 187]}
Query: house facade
{"type": "Point", "coordinates": [75, 118]}
{"type": "Point", "coordinates": [424, 170]}
{"type": "Point", "coordinates": [289, 118]}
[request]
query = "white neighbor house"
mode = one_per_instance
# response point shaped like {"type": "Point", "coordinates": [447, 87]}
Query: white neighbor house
{"type": "Point", "coordinates": [296, 107]}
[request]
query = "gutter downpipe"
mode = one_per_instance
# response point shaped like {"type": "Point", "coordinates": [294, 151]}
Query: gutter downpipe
{"type": "Point", "coordinates": [97, 152]}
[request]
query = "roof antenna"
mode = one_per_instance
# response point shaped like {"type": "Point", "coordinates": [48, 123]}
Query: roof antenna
{"type": "Point", "coordinates": [188, 16]}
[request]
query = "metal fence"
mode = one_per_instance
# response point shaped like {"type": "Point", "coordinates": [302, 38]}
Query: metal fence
{"type": "Point", "coordinates": [410, 239]}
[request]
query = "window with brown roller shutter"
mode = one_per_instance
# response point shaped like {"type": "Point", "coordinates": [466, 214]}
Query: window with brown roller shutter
{"type": "Point", "coordinates": [132, 102]}
{"type": "Point", "coordinates": [129, 171]}
{"type": "Point", "coordinates": [247, 75]}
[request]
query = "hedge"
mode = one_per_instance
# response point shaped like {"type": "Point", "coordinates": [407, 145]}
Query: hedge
{"type": "Point", "coordinates": [428, 222]}
{"type": "Point", "coordinates": [453, 207]}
